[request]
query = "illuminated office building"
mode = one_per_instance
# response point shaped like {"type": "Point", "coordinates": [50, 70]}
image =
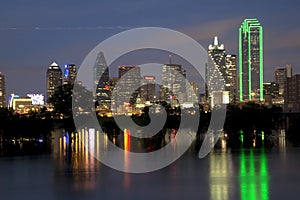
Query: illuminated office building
{"type": "Point", "coordinates": [174, 84]}
{"type": "Point", "coordinates": [231, 79]}
{"type": "Point", "coordinates": [54, 79]}
{"type": "Point", "coordinates": [280, 76]}
{"type": "Point", "coordinates": [216, 74]}
{"type": "Point", "coordinates": [292, 94]}
{"type": "Point", "coordinates": [251, 60]}
{"type": "Point", "coordinates": [192, 92]}
{"type": "Point", "coordinates": [271, 93]}
{"type": "Point", "coordinates": [70, 73]}
{"type": "Point", "coordinates": [2, 91]}
{"type": "Point", "coordinates": [101, 74]}
{"type": "Point", "coordinates": [132, 79]}
{"type": "Point", "coordinates": [101, 82]}
{"type": "Point", "coordinates": [148, 90]}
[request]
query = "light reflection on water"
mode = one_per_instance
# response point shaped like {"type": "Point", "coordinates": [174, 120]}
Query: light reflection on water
{"type": "Point", "coordinates": [253, 177]}
{"type": "Point", "coordinates": [220, 171]}
{"type": "Point", "coordinates": [72, 173]}
{"type": "Point", "coordinates": [252, 172]}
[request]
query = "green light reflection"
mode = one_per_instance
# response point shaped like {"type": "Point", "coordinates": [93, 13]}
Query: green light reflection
{"type": "Point", "coordinates": [253, 176]}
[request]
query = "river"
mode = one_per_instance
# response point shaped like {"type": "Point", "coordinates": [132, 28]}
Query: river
{"type": "Point", "coordinates": [72, 173]}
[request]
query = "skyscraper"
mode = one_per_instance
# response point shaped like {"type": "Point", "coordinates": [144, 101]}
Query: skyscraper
{"type": "Point", "coordinates": [2, 91]}
{"type": "Point", "coordinates": [70, 73]}
{"type": "Point", "coordinates": [148, 90]}
{"type": "Point", "coordinates": [215, 72]}
{"type": "Point", "coordinates": [231, 84]}
{"type": "Point", "coordinates": [54, 79]}
{"type": "Point", "coordinates": [132, 79]}
{"type": "Point", "coordinates": [192, 92]}
{"type": "Point", "coordinates": [101, 82]}
{"type": "Point", "coordinates": [100, 67]}
{"type": "Point", "coordinates": [281, 75]}
{"type": "Point", "coordinates": [221, 69]}
{"type": "Point", "coordinates": [271, 93]}
{"type": "Point", "coordinates": [292, 94]}
{"type": "Point", "coordinates": [251, 60]}
{"type": "Point", "coordinates": [173, 82]}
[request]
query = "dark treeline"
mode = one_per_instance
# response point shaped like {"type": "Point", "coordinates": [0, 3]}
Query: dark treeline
{"type": "Point", "coordinates": [251, 118]}
{"type": "Point", "coordinates": [32, 125]}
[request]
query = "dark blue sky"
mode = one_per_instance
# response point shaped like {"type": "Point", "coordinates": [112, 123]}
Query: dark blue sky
{"type": "Point", "coordinates": [33, 33]}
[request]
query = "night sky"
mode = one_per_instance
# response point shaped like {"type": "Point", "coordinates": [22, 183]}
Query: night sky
{"type": "Point", "coordinates": [33, 33]}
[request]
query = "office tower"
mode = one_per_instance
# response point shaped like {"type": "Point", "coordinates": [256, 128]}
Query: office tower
{"type": "Point", "coordinates": [192, 92]}
{"type": "Point", "coordinates": [100, 67]}
{"type": "Point", "coordinates": [173, 84]}
{"type": "Point", "coordinates": [2, 91]}
{"type": "Point", "coordinates": [148, 90]}
{"type": "Point", "coordinates": [231, 84]}
{"type": "Point", "coordinates": [251, 60]}
{"type": "Point", "coordinates": [292, 94]}
{"type": "Point", "coordinates": [54, 79]}
{"type": "Point", "coordinates": [129, 77]}
{"type": "Point", "coordinates": [101, 82]}
{"type": "Point", "coordinates": [216, 74]}
{"type": "Point", "coordinates": [280, 76]}
{"type": "Point", "coordinates": [271, 93]}
{"type": "Point", "coordinates": [70, 73]}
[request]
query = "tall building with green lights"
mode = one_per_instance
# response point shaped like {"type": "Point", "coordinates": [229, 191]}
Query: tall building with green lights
{"type": "Point", "coordinates": [251, 60]}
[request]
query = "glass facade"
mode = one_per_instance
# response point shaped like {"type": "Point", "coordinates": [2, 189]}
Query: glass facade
{"type": "Point", "coordinates": [231, 79]}
{"type": "Point", "coordinates": [251, 60]}
{"type": "Point", "coordinates": [217, 75]}
{"type": "Point", "coordinates": [173, 83]}
{"type": "Point", "coordinates": [148, 90]}
{"type": "Point", "coordinates": [54, 79]}
{"type": "Point", "coordinates": [70, 73]}
{"type": "Point", "coordinates": [101, 82]}
{"type": "Point", "coordinates": [131, 79]}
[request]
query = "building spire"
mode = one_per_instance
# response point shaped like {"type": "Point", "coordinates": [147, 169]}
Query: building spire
{"type": "Point", "coordinates": [216, 42]}
{"type": "Point", "coordinates": [170, 59]}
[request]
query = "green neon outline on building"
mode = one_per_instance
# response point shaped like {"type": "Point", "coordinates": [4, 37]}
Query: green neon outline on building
{"type": "Point", "coordinates": [261, 72]}
{"type": "Point", "coordinates": [240, 64]}
{"type": "Point", "coordinates": [245, 32]}
{"type": "Point", "coordinates": [249, 66]}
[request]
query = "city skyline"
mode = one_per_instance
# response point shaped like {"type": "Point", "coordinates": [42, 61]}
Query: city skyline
{"type": "Point", "coordinates": [46, 33]}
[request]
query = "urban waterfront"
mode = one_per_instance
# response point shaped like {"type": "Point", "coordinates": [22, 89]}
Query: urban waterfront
{"type": "Point", "coordinates": [69, 171]}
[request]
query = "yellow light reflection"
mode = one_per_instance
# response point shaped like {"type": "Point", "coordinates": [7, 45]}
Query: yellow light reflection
{"type": "Point", "coordinates": [220, 172]}
{"type": "Point", "coordinates": [127, 180]}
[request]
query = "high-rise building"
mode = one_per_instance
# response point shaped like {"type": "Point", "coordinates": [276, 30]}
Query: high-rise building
{"type": "Point", "coordinates": [251, 60]}
{"type": "Point", "coordinates": [101, 82]}
{"type": "Point", "coordinates": [231, 84]}
{"type": "Point", "coordinates": [129, 77]}
{"type": "Point", "coordinates": [2, 91]}
{"type": "Point", "coordinates": [217, 73]}
{"type": "Point", "coordinates": [70, 73]}
{"type": "Point", "coordinates": [292, 94]}
{"type": "Point", "coordinates": [271, 93]}
{"type": "Point", "coordinates": [54, 79]}
{"type": "Point", "coordinates": [280, 76]}
{"type": "Point", "coordinates": [101, 74]}
{"type": "Point", "coordinates": [173, 82]}
{"type": "Point", "coordinates": [148, 90]}
{"type": "Point", "coordinates": [192, 92]}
